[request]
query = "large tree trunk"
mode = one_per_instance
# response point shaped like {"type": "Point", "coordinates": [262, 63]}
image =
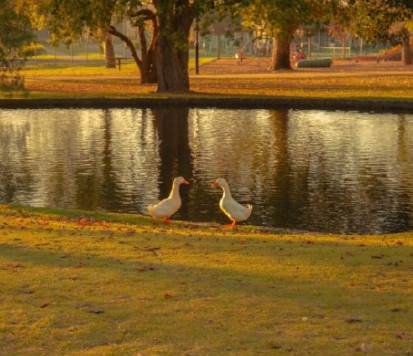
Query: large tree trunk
{"type": "Point", "coordinates": [407, 56]}
{"type": "Point", "coordinates": [281, 52]}
{"type": "Point", "coordinates": [109, 51]}
{"type": "Point", "coordinates": [172, 51]}
{"type": "Point", "coordinates": [172, 66]}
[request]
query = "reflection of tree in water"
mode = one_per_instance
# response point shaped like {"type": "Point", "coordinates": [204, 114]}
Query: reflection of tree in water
{"type": "Point", "coordinates": [279, 198]}
{"type": "Point", "coordinates": [110, 189]}
{"type": "Point", "coordinates": [345, 178]}
{"type": "Point", "coordinates": [405, 211]}
{"type": "Point", "coordinates": [118, 169]}
{"type": "Point", "coordinates": [174, 151]}
{"type": "Point", "coordinates": [14, 170]}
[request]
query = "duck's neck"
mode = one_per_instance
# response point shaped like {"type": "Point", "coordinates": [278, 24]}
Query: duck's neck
{"type": "Point", "coordinates": [174, 191]}
{"type": "Point", "coordinates": [226, 191]}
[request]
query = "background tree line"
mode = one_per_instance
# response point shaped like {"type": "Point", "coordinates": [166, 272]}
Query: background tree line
{"type": "Point", "coordinates": [164, 26]}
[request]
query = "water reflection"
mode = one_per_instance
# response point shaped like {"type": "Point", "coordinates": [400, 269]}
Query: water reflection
{"type": "Point", "coordinates": [316, 170]}
{"type": "Point", "coordinates": [174, 151]}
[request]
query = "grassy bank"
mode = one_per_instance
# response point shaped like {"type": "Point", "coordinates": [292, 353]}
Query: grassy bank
{"type": "Point", "coordinates": [224, 77]}
{"type": "Point", "coordinates": [128, 68]}
{"type": "Point", "coordinates": [84, 283]}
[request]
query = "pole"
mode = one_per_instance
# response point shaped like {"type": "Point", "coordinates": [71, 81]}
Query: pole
{"type": "Point", "coordinates": [196, 47]}
{"type": "Point", "coordinates": [87, 46]}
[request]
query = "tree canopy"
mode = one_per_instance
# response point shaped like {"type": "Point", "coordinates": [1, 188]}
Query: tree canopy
{"type": "Point", "coordinates": [281, 19]}
{"type": "Point", "coordinates": [163, 26]}
{"type": "Point", "coordinates": [163, 57]}
{"type": "Point", "coordinates": [15, 33]}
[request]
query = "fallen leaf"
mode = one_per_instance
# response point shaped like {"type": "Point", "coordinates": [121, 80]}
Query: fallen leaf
{"type": "Point", "coordinates": [95, 311]}
{"type": "Point", "coordinates": [401, 336]}
{"type": "Point", "coordinates": [377, 257]}
{"type": "Point", "coordinates": [168, 295]}
{"type": "Point", "coordinates": [361, 348]}
{"type": "Point", "coordinates": [353, 320]}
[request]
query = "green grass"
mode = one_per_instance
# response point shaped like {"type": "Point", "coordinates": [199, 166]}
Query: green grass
{"type": "Point", "coordinates": [379, 83]}
{"type": "Point", "coordinates": [99, 82]}
{"type": "Point", "coordinates": [78, 57]}
{"type": "Point", "coordinates": [83, 283]}
{"type": "Point", "coordinates": [128, 67]}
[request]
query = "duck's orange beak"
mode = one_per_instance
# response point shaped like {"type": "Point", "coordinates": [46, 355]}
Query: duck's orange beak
{"type": "Point", "coordinates": [186, 182]}
{"type": "Point", "coordinates": [214, 183]}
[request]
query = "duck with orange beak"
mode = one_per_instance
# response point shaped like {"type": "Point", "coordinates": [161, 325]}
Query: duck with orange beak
{"type": "Point", "coordinates": [168, 206]}
{"type": "Point", "coordinates": [231, 208]}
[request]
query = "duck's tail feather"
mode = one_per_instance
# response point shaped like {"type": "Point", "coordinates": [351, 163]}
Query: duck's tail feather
{"type": "Point", "coordinates": [150, 210]}
{"type": "Point", "coordinates": [249, 207]}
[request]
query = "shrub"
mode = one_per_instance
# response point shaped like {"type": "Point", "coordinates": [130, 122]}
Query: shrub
{"type": "Point", "coordinates": [11, 82]}
{"type": "Point", "coordinates": [33, 49]}
{"type": "Point", "coordinates": [315, 63]}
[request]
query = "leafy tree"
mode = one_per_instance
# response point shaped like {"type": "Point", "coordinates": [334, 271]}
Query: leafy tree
{"type": "Point", "coordinates": [383, 20]}
{"type": "Point", "coordinates": [220, 23]}
{"type": "Point", "coordinates": [281, 19]}
{"type": "Point", "coordinates": [15, 33]}
{"type": "Point", "coordinates": [165, 57]}
{"type": "Point", "coordinates": [68, 20]}
{"type": "Point", "coordinates": [175, 18]}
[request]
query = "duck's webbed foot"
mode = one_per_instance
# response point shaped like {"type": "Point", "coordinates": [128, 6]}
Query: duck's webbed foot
{"type": "Point", "coordinates": [231, 226]}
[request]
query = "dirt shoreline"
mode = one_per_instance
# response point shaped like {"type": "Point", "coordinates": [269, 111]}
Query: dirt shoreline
{"type": "Point", "coordinates": [239, 102]}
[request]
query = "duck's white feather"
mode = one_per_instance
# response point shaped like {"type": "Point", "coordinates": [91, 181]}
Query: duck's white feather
{"type": "Point", "coordinates": [231, 208]}
{"type": "Point", "coordinates": [165, 208]}
{"type": "Point", "coordinates": [168, 206]}
{"type": "Point", "coordinates": [234, 210]}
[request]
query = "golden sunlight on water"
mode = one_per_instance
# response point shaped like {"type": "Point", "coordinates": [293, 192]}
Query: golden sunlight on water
{"type": "Point", "coordinates": [316, 170]}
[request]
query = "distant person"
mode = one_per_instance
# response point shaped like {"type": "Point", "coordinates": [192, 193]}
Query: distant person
{"type": "Point", "coordinates": [239, 55]}
{"type": "Point", "coordinates": [298, 56]}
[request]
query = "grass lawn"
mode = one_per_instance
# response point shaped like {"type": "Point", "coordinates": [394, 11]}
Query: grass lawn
{"type": "Point", "coordinates": [298, 84]}
{"type": "Point", "coordinates": [128, 68]}
{"type": "Point", "coordinates": [224, 77]}
{"type": "Point", "coordinates": [106, 284]}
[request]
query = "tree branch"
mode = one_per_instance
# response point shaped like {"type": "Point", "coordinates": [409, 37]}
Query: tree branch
{"type": "Point", "coordinates": [146, 15]}
{"type": "Point", "coordinates": [113, 31]}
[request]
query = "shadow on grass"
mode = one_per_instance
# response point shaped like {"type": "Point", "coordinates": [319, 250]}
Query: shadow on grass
{"type": "Point", "coordinates": [218, 277]}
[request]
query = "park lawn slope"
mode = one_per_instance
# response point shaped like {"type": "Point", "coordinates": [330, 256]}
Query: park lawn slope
{"type": "Point", "coordinates": [83, 283]}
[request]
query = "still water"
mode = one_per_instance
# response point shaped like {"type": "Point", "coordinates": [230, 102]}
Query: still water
{"type": "Point", "coordinates": [312, 170]}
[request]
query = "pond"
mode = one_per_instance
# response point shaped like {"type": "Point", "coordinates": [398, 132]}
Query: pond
{"type": "Point", "coordinates": [325, 171]}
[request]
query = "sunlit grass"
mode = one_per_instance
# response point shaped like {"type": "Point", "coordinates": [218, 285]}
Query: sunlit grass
{"type": "Point", "coordinates": [87, 83]}
{"type": "Point", "coordinates": [77, 57]}
{"type": "Point", "coordinates": [128, 67]}
{"type": "Point", "coordinates": [93, 283]}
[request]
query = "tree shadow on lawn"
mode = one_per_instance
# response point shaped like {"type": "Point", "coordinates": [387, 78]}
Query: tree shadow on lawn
{"type": "Point", "coordinates": [214, 276]}
{"type": "Point", "coordinates": [192, 292]}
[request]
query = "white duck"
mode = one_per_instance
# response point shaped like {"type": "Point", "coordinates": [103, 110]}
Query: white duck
{"type": "Point", "coordinates": [169, 206]}
{"type": "Point", "coordinates": [231, 208]}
